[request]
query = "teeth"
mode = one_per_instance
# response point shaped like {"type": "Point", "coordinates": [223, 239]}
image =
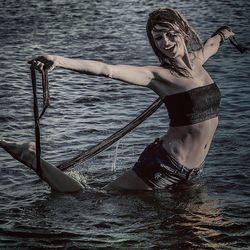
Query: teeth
{"type": "Point", "coordinates": [170, 48]}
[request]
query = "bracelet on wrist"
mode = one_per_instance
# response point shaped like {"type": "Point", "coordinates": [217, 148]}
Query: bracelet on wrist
{"type": "Point", "coordinates": [222, 36]}
{"type": "Point", "coordinates": [220, 33]}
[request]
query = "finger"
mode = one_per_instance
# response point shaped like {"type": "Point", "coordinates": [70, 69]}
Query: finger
{"type": "Point", "coordinates": [52, 67]}
{"type": "Point", "coordinates": [39, 66]}
{"type": "Point", "coordinates": [31, 61]}
{"type": "Point", "coordinates": [39, 58]}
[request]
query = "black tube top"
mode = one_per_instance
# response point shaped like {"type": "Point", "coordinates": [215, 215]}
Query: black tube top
{"type": "Point", "coordinates": [193, 106]}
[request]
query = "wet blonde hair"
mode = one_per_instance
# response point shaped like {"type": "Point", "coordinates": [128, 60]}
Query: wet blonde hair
{"type": "Point", "coordinates": [163, 17]}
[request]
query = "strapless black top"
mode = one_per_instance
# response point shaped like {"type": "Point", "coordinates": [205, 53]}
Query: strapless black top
{"type": "Point", "coordinates": [193, 106]}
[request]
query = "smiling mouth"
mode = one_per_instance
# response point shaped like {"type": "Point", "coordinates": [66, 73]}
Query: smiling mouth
{"type": "Point", "coordinates": [169, 49]}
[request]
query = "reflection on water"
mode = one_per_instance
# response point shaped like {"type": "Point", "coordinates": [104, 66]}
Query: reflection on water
{"type": "Point", "coordinates": [213, 214]}
{"type": "Point", "coordinates": [188, 218]}
{"type": "Point", "coordinates": [183, 218]}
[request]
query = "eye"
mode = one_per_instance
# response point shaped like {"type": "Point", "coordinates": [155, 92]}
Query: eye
{"type": "Point", "coordinates": [172, 34]}
{"type": "Point", "coordinates": [158, 38]}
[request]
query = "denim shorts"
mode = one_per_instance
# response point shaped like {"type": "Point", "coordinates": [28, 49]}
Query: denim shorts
{"type": "Point", "coordinates": [158, 169]}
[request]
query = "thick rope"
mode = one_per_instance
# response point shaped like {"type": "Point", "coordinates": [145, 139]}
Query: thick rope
{"type": "Point", "coordinates": [36, 119]}
{"type": "Point", "coordinates": [238, 46]}
{"type": "Point", "coordinates": [45, 83]}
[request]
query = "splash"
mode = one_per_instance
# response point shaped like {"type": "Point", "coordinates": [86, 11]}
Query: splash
{"type": "Point", "coordinates": [78, 177]}
{"type": "Point", "coordinates": [115, 157]}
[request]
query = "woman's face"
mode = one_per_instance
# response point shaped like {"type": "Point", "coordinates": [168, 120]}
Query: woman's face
{"type": "Point", "coordinates": [169, 41]}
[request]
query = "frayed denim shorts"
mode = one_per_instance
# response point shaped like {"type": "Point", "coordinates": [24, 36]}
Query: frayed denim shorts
{"type": "Point", "coordinates": [158, 169]}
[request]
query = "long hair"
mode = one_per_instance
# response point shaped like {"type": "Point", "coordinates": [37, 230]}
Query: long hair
{"type": "Point", "coordinates": [191, 38]}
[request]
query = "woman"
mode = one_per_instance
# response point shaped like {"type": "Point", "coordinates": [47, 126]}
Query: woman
{"type": "Point", "coordinates": [189, 93]}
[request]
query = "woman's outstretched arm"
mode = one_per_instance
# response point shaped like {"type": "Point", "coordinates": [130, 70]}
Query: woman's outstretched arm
{"type": "Point", "coordinates": [138, 75]}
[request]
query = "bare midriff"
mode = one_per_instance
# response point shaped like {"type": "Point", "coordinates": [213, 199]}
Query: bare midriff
{"type": "Point", "coordinates": [190, 144]}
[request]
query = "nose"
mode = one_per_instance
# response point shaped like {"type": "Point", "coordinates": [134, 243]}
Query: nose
{"type": "Point", "coordinates": [166, 38]}
{"type": "Point", "coordinates": [167, 41]}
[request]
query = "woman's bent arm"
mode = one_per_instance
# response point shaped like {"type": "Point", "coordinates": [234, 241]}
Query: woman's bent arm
{"type": "Point", "coordinates": [212, 45]}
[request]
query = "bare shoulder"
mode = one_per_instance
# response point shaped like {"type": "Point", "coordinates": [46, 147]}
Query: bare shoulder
{"type": "Point", "coordinates": [163, 82]}
{"type": "Point", "coordinates": [161, 75]}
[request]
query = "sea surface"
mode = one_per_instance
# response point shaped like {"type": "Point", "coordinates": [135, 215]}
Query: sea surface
{"type": "Point", "coordinates": [213, 213]}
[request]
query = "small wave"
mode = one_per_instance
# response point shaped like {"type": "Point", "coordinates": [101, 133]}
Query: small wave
{"type": "Point", "coordinates": [36, 233]}
{"type": "Point", "coordinates": [87, 100]}
{"type": "Point", "coordinates": [6, 118]}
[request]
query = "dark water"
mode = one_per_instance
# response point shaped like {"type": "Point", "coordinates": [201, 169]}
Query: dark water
{"type": "Point", "coordinates": [211, 214]}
